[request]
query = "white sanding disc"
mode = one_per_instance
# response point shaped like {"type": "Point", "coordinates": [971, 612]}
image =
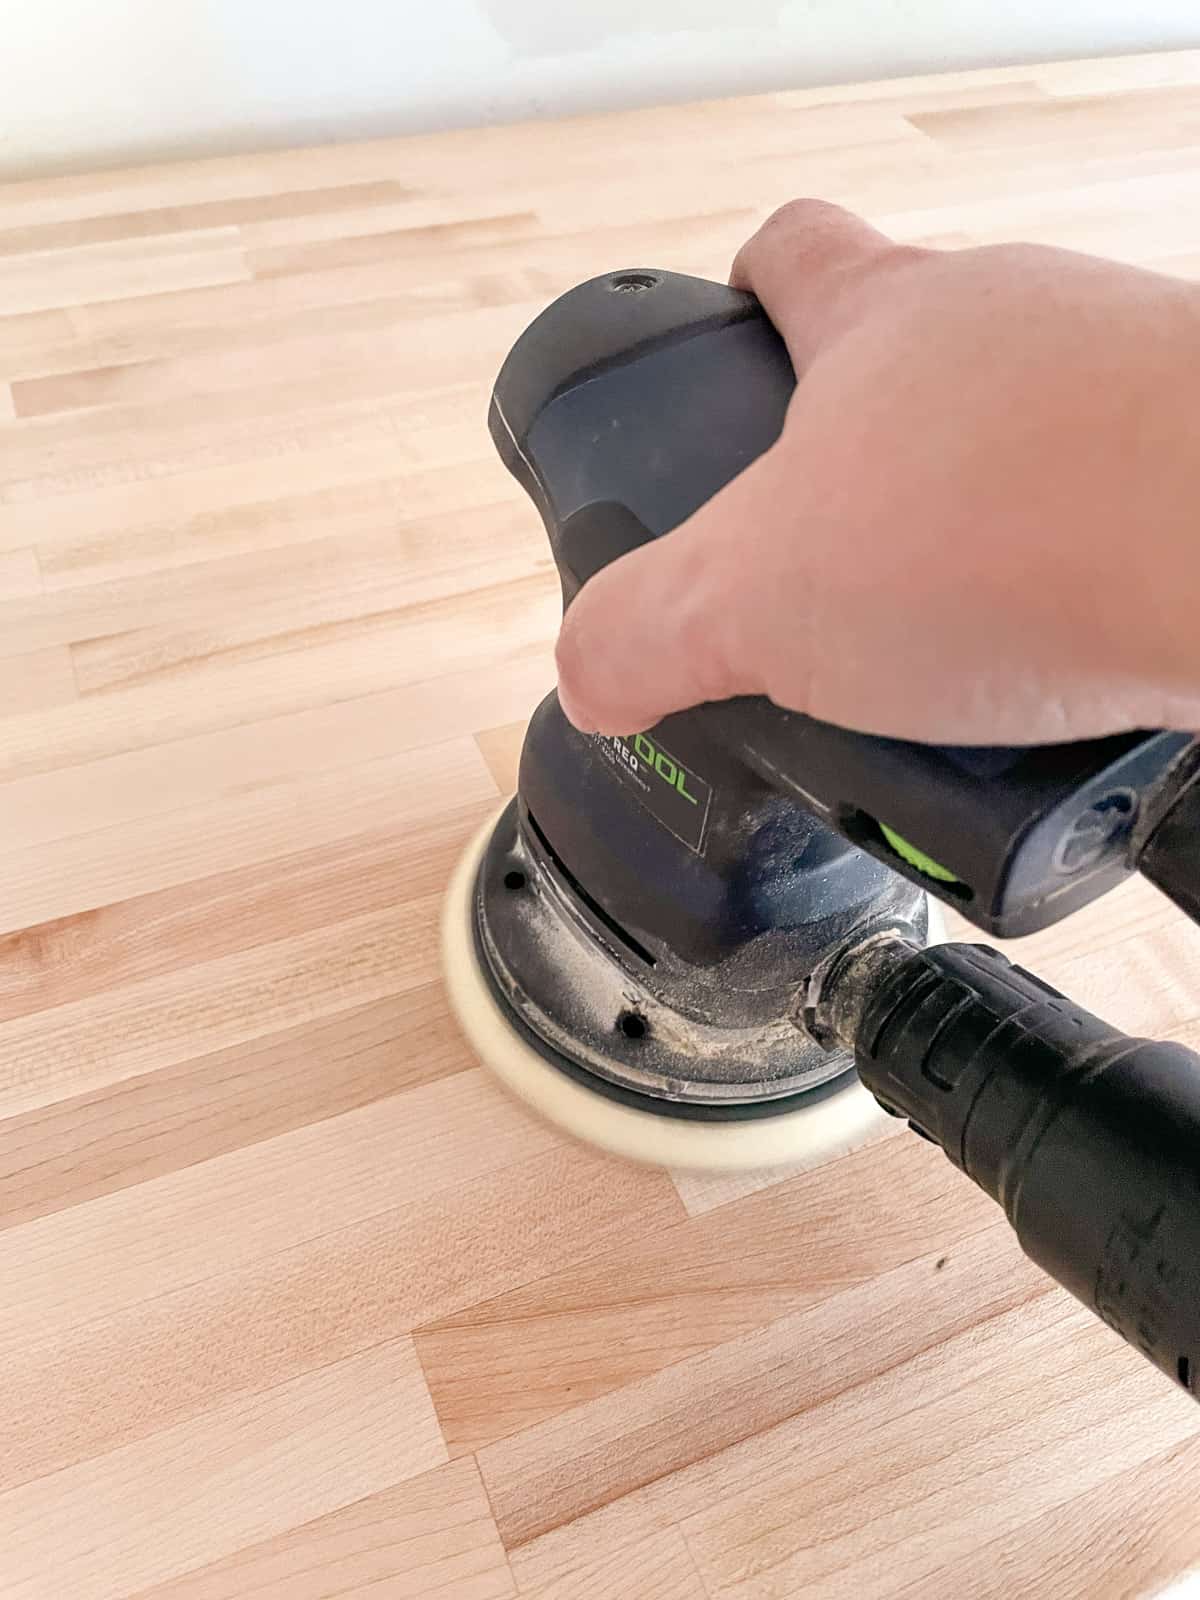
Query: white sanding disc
{"type": "Point", "coordinates": [803, 1136]}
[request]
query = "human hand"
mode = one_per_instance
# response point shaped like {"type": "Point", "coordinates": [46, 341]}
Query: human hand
{"type": "Point", "coordinates": [980, 525]}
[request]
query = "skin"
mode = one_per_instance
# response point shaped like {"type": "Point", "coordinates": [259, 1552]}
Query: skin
{"type": "Point", "coordinates": [980, 525]}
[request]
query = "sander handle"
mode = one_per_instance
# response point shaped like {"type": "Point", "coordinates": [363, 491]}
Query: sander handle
{"type": "Point", "coordinates": [624, 407]}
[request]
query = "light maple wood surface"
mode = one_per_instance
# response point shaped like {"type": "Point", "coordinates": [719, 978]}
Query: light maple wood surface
{"type": "Point", "coordinates": [293, 1301]}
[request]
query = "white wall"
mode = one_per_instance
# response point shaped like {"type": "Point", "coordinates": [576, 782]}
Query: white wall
{"type": "Point", "coordinates": [84, 83]}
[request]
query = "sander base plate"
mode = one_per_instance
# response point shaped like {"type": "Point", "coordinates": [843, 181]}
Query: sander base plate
{"type": "Point", "coordinates": [804, 1135]}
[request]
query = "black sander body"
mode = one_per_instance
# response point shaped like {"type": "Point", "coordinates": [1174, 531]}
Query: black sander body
{"type": "Point", "coordinates": [715, 944]}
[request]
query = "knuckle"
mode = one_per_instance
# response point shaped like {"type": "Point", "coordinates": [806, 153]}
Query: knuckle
{"type": "Point", "coordinates": [783, 235]}
{"type": "Point", "coordinates": [810, 235]}
{"type": "Point", "coordinates": [803, 213]}
{"type": "Point", "coordinates": [798, 225]}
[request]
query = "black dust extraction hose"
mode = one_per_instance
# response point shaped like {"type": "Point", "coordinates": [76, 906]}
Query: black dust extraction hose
{"type": "Point", "coordinates": [1089, 1139]}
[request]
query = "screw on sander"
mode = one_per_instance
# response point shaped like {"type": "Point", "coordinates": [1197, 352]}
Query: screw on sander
{"type": "Point", "coordinates": [1088, 1138]}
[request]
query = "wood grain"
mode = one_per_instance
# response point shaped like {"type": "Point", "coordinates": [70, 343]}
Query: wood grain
{"type": "Point", "coordinates": [642, 1306]}
{"type": "Point", "coordinates": [231, 1477]}
{"type": "Point", "coordinates": [294, 1303]}
{"type": "Point", "coordinates": [432, 1535]}
{"type": "Point", "coordinates": [37, 681]}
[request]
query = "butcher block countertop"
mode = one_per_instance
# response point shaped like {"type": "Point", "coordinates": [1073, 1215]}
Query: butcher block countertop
{"type": "Point", "coordinates": [294, 1302]}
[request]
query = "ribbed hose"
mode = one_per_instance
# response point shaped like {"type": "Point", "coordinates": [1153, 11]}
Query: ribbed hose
{"type": "Point", "coordinates": [1089, 1139]}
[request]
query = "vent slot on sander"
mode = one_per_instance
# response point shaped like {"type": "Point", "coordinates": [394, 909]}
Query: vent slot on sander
{"type": "Point", "coordinates": [593, 905]}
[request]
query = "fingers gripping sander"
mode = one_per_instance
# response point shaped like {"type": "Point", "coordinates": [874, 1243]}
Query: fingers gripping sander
{"type": "Point", "coordinates": [696, 945]}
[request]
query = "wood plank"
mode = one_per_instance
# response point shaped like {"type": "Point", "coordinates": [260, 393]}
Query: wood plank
{"type": "Point", "coordinates": [220, 768]}
{"type": "Point", "coordinates": [166, 506]}
{"type": "Point", "coordinates": [854, 1533]}
{"type": "Point", "coordinates": [570, 1465]}
{"type": "Point", "coordinates": [656, 1564]}
{"type": "Point", "coordinates": [285, 684]}
{"type": "Point", "coordinates": [431, 240]}
{"type": "Point", "coordinates": [375, 293]}
{"type": "Point", "coordinates": [1130, 1535]}
{"type": "Point", "coordinates": [515, 1361]}
{"type": "Point", "coordinates": [75, 1150]}
{"type": "Point", "coordinates": [202, 216]}
{"type": "Point", "coordinates": [433, 1534]}
{"type": "Point", "coordinates": [167, 930]}
{"type": "Point", "coordinates": [515, 615]}
{"type": "Point", "coordinates": [159, 1022]}
{"type": "Point", "coordinates": [1160, 119]}
{"type": "Point", "coordinates": [790, 1511]}
{"type": "Point", "coordinates": [1165, 69]}
{"type": "Point", "coordinates": [186, 1335]}
{"type": "Point", "coordinates": [501, 750]}
{"type": "Point", "coordinates": [37, 681]}
{"type": "Point", "coordinates": [121, 445]}
{"type": "Point", "coordinates": [86, 871]}
{"type": "Point", "coordinates": [313, 356]}
{"type": "Point", "coordinates": [60, 1266]}
{"type": "Point", "coordinates": [30, 332]}
{"type": "Point", "coordinates": [134, 189]}
{"type": "Point", "coordinates": [288, 589]}
{"type": "Point", "coordinates": [20, 575]}
{"type": "Point", "coordinates": [633, 1530]}
{"type": "Point", "coordinates": [485, 528]}
{"type": "Point", "coordinates": [49, 280]}
{"type": "Point", "coordinates": [233, 1478]}
{"type": "Point", "coordinates": [198, 424]}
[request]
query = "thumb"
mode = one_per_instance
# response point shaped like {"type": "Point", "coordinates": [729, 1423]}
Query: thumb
{"type": "Point", "coordinates": [670, 625]}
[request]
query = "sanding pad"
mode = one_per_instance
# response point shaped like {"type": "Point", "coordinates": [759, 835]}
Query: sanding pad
{"type": "Point", "coordinates": [802, 1136]}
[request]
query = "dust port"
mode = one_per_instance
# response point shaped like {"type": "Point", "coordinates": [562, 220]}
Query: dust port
{"type": "Point", "coordinates": [514, 879]}
{"type": "Point", "coordinates": [632, 1025]}
{"type": "Point", "coordinates": [632, 282]}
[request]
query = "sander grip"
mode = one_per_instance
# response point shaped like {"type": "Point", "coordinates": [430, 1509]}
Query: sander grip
{"type": "Point", "coordinates": [624, 407]}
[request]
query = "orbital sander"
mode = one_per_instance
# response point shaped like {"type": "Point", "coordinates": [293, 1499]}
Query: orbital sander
{"type": "Point", "coordinates": [715, 944]}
